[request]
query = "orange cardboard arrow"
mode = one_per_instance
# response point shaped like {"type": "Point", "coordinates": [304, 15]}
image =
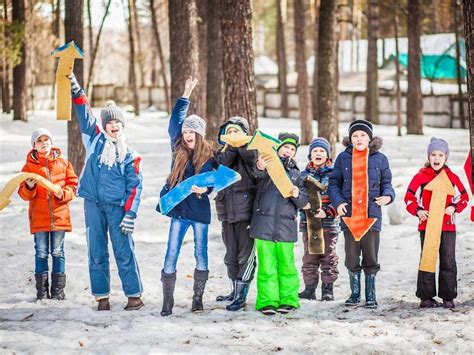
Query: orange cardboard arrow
{"type": "Point", "coordinates": [359, 223]}
{"type": "Point", "coordinates": [66, 54]}
{"type": "Point", "coordinates": [440, 187]}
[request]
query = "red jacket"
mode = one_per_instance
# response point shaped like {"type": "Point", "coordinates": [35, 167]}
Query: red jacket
{"type": "Point", "coordinates": [47, 212]}
{"type": "Point", "coordinates": [417, 198]}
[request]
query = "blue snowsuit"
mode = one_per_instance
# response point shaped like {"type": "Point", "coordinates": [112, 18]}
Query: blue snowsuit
{"type": "Point", "coordinates": [109, 193]}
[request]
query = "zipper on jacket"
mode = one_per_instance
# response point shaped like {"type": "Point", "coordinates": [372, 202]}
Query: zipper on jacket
{"type": "Point", "coordinates": [50, 202]}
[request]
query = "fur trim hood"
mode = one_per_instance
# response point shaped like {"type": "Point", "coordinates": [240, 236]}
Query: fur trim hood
{"type": "Point", "coordinates": [374, 145]}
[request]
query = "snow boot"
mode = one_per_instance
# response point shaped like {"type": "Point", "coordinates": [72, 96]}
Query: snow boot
{"type": "Point", "coordinates": [309, 292]}
{"type": "Point", "coordinates": [104, 304]}
{"type": "Point", "coordinates": [354, 280]}
{"type": "Point", "coordinates": [268, 310]}
{"type": "Point", "coordinates": [42, 286]}
{"type": "Point", "coordinates": [430, 303]}
{"type": "Point", "coordinates": [240, 296]}
{"type": "Point", "coordinates": [200, 278]}
{"type": "Point", "coordinates": [169, 281]}
{"type": "Point", "coordinates": [327, 292]}
{"type": "Point", "coordinates": [229, 297]}
{"type": "Point", "coordinates": [370, 301]}
{"type": "Point", "coordinates": [285, 308]}
{"type": "Point", "coordinates": [58, 283]}
{"type": "Point", "coordinates": [449, 304]}
{"type": "Point", "coordinates": [134, 304]}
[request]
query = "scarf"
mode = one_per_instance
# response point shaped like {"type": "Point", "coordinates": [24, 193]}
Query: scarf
{"type": "Point", "coordinates": [114, 151]}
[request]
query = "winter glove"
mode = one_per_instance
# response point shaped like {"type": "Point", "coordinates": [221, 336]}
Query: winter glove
{"type": "Point", "coordinates": [127, 225]}
{"type": "Point", "coordinates": [75, 87]}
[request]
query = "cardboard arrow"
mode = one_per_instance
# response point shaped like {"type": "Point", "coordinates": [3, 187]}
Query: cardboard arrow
{"type": "Point", "coordinates": [236, 140]}
{"type": "Point", "coordinates": [359, 223]}
{"type": "Point", "coordinates": [15, 181]}
{"type": "Point", "coordinates": [440, 188]}
{"type": "Point", "coordinates": [468, 170]}
{"type": "Point", "coordinates": [266, 144]}
{"type": "Point", "coordinates": [219, 179]}
{"type": "Point", "coordinates": [315, 225]}
{"type": "Point", "coordinates": [66, 54]}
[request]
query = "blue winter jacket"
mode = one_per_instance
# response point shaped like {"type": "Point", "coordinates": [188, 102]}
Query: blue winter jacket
{"type": "Point", "coordinates": [380, 181]}
{"type": "Point", "coordinates": [194, 207]}
{"type": "Point", "coordinates": [120, 185]}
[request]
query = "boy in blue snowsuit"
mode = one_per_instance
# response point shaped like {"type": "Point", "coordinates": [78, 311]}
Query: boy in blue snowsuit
{"type": "Point", "coordinates": [111, 185]}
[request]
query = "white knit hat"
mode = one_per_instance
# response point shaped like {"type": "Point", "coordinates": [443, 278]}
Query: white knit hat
{"type": "Point", "coordinates": [196, 124]}
{"type": "Point", "coordinates": [38, 133]}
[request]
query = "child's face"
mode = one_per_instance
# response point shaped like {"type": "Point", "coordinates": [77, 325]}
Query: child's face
{"type": "Point", "coordinates": [437, 160]}
{"type": "Point", "coordinates": [287, 151]}
{"type": "Point", "coordinates": [114, 128]}
{"type": "Point", "coordinates": [232, 130]}
{"type": "Point", "coordinates": [319, 156]}
{"type": "Point", "coordinates": [43, 145]}
{"type": "Point", "coordinates": [189, 137]}
{"type": "Point", "coordinates": [360, 140]}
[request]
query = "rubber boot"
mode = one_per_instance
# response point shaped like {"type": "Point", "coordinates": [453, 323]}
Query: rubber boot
{"type": "Point", "coordinates": [230, 296]}
{"type": "Point", "coordinates": [200, 278]}
{"type": "Point", "coordinates": [169, 282]}
{"type": "Point", "coordinates": [58, 283]}
{"type": "Point", "coordinates": [42, 286]}
{"type": "Point", "coordinates": [354, 280]}
{"type": "Point", "coordinates": [370, 301]}
{"type": "Point", "coordinates": [327, 292]}
{"type": "Point", "coordinates": [309, 292]}
{"type": "Point", "coordinates": [240, 296]}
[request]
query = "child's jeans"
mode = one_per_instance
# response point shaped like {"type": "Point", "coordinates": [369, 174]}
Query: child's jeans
{"type": "Point", "coordinates": [44, 243]}
{"type": "Point", "coordinates": [177, 232]}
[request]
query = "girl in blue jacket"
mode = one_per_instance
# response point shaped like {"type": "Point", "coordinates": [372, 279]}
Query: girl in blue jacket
{"type": "Point", "coordinates": [192, 155]}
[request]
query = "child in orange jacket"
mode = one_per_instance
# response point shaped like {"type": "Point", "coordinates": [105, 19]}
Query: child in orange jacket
{"type": "Point", "coordinates": [48, 212]}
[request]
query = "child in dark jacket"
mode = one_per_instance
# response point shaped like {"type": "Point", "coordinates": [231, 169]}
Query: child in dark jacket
{"type": "Point", "coordinates": [192, 155]}
{"type": "Point", "coordinates": [380, 193]}
{"type": "Point", "coordinates": [275, 230]}
{"type": "Point", "coordinates": [417, 200]}
{"type": "Point", "coordinates": [319, 167]}
{"type": "Point", "coordinates": [234, 210]}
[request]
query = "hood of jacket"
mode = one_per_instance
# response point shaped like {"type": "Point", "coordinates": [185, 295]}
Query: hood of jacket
{"type": "Point", "coordinates": [33, 156]}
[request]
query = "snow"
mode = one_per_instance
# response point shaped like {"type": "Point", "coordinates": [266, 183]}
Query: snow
{"type": "Point", "coordinates": [73, 325]}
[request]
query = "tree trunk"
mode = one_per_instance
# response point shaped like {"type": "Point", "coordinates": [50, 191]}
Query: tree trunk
{"type": "Point", "coordinates": [281, 56]}
{"type": "Point", "coordinates": [202, 23]}
{"type": "Point", "coordinates": [140, 56]}
{"type": "Point", "coordinates": [314, 96]}
{"type": "Point", "coordinates": [398, 93]}
{"type": "Point", "coordinates": [91, 33]}
{"type": "Point", "coordinates": [6, 105]}
{"type": "Point", "coordinates": [132, 73]}
{"type": "Point", "coordinates": [215, 75]}
{"type": "Point", "coordinates": [184, 52]}
{"type": "Point", "coordinates": [57, 21]}
{"type": "Point", "coordinates": [372, 92]}
{"type": "Point", "coordinates": [74, 30]}
{"type": "Point", "coordinates": [302, 81]}
{"type": "Point", "coordinates": [238, 63]}
{"type": "Point", "coordinates": [468, 12]}
{"type": "Point", "coordinates": [19, 71]}
{"type": "Point", "coordinates": [414, 96]}
{"type": "Point", "coordinates": [458, 63]}
{"type": "Point", "coordinates": [327, 72]}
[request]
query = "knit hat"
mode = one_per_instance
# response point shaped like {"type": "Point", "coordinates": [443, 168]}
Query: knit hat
{"type": "Point", "coordinates": [111, 112]}
{"type": "Point", "coordinates": [438, 144]}
{"type": "Point", "coordinates": [38, 133]}
{"type": "Point", "coordinates": [361, 125]}
{"type": "Point", "coordinates": [196, 124]}
{"type": "Point", "coordinates": [319, 142]}
{"type": "Point", "coordinates": [288, 138]}
{"type": "Point", "coordinates": [232, 125]}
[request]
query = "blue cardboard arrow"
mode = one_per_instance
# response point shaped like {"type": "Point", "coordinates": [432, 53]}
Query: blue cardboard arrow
{"type": "Point", "coordinates": [219, 179]}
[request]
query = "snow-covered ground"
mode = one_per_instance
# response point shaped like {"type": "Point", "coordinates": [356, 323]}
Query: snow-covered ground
{"type": "Point", "coordinates": [73, 325]}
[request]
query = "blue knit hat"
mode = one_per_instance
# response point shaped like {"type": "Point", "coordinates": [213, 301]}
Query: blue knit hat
{"type": "Point", "coordinates": [361, 125]}
{"type": "Point", "coordinates": [319, 142]}
{"type": "Point", "coordinates": [438, 144]}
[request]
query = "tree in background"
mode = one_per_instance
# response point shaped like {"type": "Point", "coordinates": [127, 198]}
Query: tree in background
{"type": "Point", "coordinates": [281, 56]}
{"type": "Point", "coordinates": [239, 77]}
{"type": "Point", "coordinates": [202, 25]}
{"type": "Point", "coordinates": [132, 74]}
{"type": "Point", "coordinates": [414, 96]}
{"type": "Point", "coordinates": [314, 96]}
{"type": "Point", "coordinates": [456, 22]}
{"type": "Point", "coordinates": [372, 92]}
{"type": "Point", "coordinates": [19, 70]}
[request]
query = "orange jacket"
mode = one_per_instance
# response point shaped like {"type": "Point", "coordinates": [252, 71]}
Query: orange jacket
{"type": "Point", "coordinates": [47, 212]}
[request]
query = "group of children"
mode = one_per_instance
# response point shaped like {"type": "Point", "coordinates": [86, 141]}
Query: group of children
{"type": "Point", "coordinates": [258, 223]}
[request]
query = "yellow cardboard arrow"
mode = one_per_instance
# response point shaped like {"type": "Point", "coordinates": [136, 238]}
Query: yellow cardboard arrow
{"type": "Point", "coordinates": [441, 187]}
{"type": "Point", "coordinates": [266, 144]}
{"type": "Point", "coordinates": [66, 54]}
{"type": "Point", "coordinates": [15, 181]}
{"type": "Point", "coordinates": [236, 140]}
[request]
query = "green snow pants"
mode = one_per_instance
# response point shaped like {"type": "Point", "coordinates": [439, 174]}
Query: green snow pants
{"type": "Point", "coordinates": [277, 276]}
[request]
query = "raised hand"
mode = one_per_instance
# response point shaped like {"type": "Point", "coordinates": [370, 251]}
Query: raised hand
{"type": "Point", "coordinates": [189, 86]}
{"type": "Point", "coordinates": [75, 87]}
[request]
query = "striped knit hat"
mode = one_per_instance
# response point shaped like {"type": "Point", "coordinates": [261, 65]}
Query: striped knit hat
{"type": "Point", "coordinates": [361, 125]}
{"type": "Point", "coordinates": [111, 112]}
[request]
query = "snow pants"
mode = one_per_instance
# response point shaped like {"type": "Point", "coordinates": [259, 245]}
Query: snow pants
{"type": "Point", "coordinates": [277, 276]}
{"type": "Point", "coordinates": [368, 246]}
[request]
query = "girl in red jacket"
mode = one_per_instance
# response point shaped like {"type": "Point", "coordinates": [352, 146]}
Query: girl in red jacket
{"type": "Point", "coordinates": [417, 201]}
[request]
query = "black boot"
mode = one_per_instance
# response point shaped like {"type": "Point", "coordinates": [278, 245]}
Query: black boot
{"type": "Point", "coordinates": [326, 292]}
{"type": "Point", "coordinates": [200, 278]}
{"type": "Point", "coordinates": [240, 296]}
{"type": "Point", "coordinates": [169, 281]}
{"type": "Point", "coordinates": [58, 282]}
{"type": "Point", "coordinates": [309, 292]}
{"type": "Point", "coordinates": [42, 286]}
{"type": "Point", "coordinates": [229, 297]}
{"type": "Point", "coordinates": [370, 301]}
{"type": "Point", "coordinates": [354, 280]}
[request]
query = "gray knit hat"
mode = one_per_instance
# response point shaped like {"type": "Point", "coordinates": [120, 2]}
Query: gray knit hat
{"type": "Point", "coordinates": [111, 112]}
{"type": "Point", "coordinates": [196, 124]}
{"type": "Point", "coordinates": [438, 144]}
{"type": "Point", "coordinates": [38, 133]}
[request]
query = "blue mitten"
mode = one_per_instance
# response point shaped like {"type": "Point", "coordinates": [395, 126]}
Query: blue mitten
{"type": "Point", "coordinates": [127, 225]}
